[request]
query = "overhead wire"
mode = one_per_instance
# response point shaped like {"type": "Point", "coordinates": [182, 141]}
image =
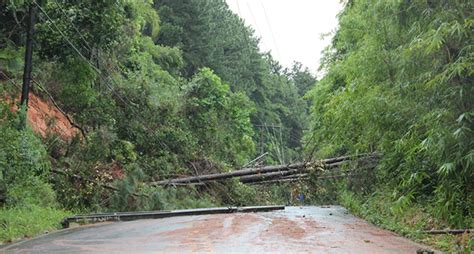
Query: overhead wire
{"type": "Point", "coordinates": [259, 31]}
{"type": "Point", "coordinates": [238, 8]}
{"type": "Point", "coordinates": [72, 45]}
{"type": "Point", "coordinates": [73, 26]}
{"type": "Point", "coordinates": [63, 35]}
{"type": "Point", "coordinates": [51, 98]}
{"type": "Point", "coordinates": [271, 30]}
{"type": "Point", "coordinates": [97, 70]}
{"type": "Point", "coordinates": [89, 47]}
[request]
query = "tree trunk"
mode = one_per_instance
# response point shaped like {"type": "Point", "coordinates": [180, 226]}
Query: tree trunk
{"type": "Point", "coordinates": [278, 170]}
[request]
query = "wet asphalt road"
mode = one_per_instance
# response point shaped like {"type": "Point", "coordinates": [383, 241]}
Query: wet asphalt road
{"type": "Point", "coordinates": [293, 230]}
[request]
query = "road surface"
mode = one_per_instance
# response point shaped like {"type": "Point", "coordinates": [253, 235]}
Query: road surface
{"type": "Point", "coordinates": [293, 230]}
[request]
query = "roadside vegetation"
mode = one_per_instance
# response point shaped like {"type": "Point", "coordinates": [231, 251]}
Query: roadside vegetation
{"type": "Point", "coordinates": [156, 89]}
{"type": "Point", "coordinates": [399, 81]}
{"type": "Point", "coordinates": [162, 89]}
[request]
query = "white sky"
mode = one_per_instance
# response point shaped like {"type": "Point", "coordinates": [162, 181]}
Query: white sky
{"type": "Point", "coordinates": [290, 29]}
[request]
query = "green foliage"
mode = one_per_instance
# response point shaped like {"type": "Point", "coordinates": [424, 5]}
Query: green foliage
{"type": "Point", "coordinates": [184, 198]}
{"type": "Point", "coordinates": [301, 77]}
{"type": "Point", "coordinates": [126, 199]}
{"type": "Point", "coordinates": [23, 166]}
{"type": "Point", "coordinates": [234, 193]}
{"type": "Point", "coordinates": [28, 221]}
{"type": "Point", "coordinates": [75, 193]}
{"type": "Point", "coordinates": [10, 57]}
{"type": "Point", "coordinates": [11, 33]}
{"type": "Point", "coordinates": [157, 96]}
{"type": "Point", "coordinates": [210, 35]}
{"type": "Point", "coordinates": [168, 58]}
{"type": "Point", "coordinates": [219, 118]}
{"type": "Point", "coordinates": [404, 217]}
{"type": "Point", "coordinates": [31, 191]}
{"type": "Point", "coordinates": [100, 23]}
{"type": "Point", "coordinates": [88, 167]}
{"type": "Point", "coordinates": [144, 17]}
{"type": "Point", "coordinates": [124, 152]}
{"type": "Point", "coordinates": [398, 81]}
{"type": "Point", "coordinates": [27, 201]}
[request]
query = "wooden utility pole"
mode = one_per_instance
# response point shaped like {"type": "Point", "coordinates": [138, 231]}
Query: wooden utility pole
{"type": "Point", "coordinates": [267, 172]}
{"type": "Point", "coordinates": [28, 55]}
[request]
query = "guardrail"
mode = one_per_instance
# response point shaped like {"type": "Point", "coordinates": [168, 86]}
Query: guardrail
{"type": "Point", "coordinates": [128, 216]}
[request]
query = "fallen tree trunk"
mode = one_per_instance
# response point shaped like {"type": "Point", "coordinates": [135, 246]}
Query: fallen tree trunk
{"type": "Point", "coordinates": [336, 172]}
{"type": "Point", "coordinates": [260, 170]}
{"type": "Point", "coordinates": [298, 179]}
{"type": "Point", "coordinates": [220, 176]}
{"type": "Point", "coordinates": [278, 174]}
{"type": "Point", "coordinates": [269, 176]}
{"type": "Point", "coordinates": [302, 175]}
{"type": "Point", "coordinates": [276, 181]}
{"type": "Point", "coordinates": [188, 184]}
{"type": "Point", "coordinates": [306, 175]}
{"type": "Point", "coordinates": [275, 170]}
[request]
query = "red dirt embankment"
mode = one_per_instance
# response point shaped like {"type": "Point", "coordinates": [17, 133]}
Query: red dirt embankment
{"type": "Point", "coordinates": [44, 118]}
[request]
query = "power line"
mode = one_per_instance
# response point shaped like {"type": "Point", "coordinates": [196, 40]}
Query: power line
{"type": "Point", "coordinates": [259, 31]}
{"type": "Point", "coordinates": [63, 35]}
{"type": "Point", "coordinates": [51, 98]}
{"type": "Point", "coordinates": [271, 30]}
{"type": "Point", "coordinates": [10, 79]}
{"type": "Point", "coordinates": [87, 43]}
{"type": "Point", "coordinates": [51, 21]}
{"type": "Point", "coordinates": [108, 77]}
{"type": "Point", "coordinates": [138, 115]}
{"type": "Point", "coordinates": [99, 56]}
{"type": "Point", "coordinates": [73, 26]}
{"type": "Point", "coordinates": [71, 122]}
{"type": "Point", "coordinates": [238, 8]}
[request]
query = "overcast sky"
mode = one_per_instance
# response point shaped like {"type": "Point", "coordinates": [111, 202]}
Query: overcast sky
{"type": "Point", "coordinates": [290, 29]}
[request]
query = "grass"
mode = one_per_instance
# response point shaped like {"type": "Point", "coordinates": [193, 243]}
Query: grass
{"type": "Point", "coordinates": [408, 220]}
{"type": "Point", "coordinates": [28, 221]}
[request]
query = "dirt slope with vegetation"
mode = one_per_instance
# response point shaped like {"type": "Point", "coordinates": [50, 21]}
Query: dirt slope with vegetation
{"type": "Point", "coordinates": [45, 119]}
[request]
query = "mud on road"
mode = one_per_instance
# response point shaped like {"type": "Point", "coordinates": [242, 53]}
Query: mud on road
{"type": "Point", "coordinates": [293, 230]}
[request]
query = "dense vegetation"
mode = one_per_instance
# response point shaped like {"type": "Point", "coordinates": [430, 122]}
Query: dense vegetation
{"type": "Point", "coordinates": [399, 81]}
{"type": "Point", "coordinates": [165, 88]}
{"type": "Point", "coordinates": [157, 89]}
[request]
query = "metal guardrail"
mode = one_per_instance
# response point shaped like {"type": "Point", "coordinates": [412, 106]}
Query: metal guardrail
{"type": "Point", "coordinates": [128, 216]}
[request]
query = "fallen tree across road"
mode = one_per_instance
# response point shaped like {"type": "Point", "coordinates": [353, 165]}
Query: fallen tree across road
{"type": "Point", "coordinates": [265, 172]}
{"type": "Point", "coordinates": [302, 170]}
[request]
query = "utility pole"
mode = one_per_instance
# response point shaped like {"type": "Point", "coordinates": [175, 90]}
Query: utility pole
{"type": "Point", "coordinates": [28, 56]}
